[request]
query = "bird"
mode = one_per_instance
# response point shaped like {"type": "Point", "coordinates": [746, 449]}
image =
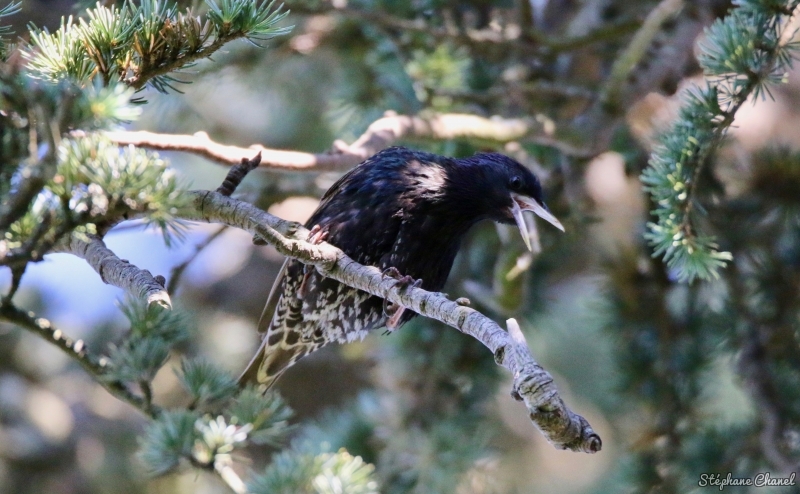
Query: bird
{"type": "Point", "coordinates": [405, 212]}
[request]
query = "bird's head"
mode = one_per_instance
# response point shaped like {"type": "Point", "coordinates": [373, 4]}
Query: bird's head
{"type": "Point", "coordinates": [508, 189]}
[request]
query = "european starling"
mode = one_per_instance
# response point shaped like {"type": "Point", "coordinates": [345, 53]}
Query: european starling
{"type": "Point", "coordinates": [405, 212]}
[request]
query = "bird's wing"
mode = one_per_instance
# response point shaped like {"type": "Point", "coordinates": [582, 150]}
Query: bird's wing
{"type": "Point", "coordinates": [272, 300]}
{"type": "Point", "coordinates": [334, 312]}
{"type": "Point", "coordinates": [290, 310]}
{"type": "Point", "coordinates": [282, 314]}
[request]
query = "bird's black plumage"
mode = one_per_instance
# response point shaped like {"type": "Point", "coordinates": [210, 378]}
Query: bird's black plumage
{"type": "Point", "coordinates": [401, 209]}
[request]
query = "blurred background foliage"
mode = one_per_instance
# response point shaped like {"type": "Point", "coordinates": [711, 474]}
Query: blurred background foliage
{"type": "Point", "coordinates": [678, 379]}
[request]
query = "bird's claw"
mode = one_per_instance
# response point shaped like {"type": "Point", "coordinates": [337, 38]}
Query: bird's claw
{"type": "Point", "coordinates": [317, 235]}
{"type": "Point", "coordinates": [301, 292]}
{"type": "Point", "coordinates": [391, 272]}
{"type": "Point", "coordinates": [408, 281]}
{"type": "Point", "coordinates": [390, 308]}
{"type": "Point", "coordinates": [393, 311]}
{"type": "Point", "coordinates": [403, 282]}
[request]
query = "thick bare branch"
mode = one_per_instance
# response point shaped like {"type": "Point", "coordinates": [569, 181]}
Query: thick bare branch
{"type": "Point", "coordinates": [200, 144]}
{"type": "Point", "coordinates": [381, 134]}
{"type": "Point", "coordinates": [385, 131]}
{"type": "Point", "coordinates": [532, 384]}
{"type": "Point", "coordinates": [115, 271]}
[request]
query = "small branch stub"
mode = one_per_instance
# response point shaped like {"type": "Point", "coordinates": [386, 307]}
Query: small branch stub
{"type": "Point", "coordinates": [237, 173]}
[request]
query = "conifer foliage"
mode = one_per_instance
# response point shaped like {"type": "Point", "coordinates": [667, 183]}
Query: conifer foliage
{"type": "Point", "coordinates": [146, 43]}
{"type": "Point", "coordinates": [709, 291]}
{"type": "Point", "coordinates": [62, 179]}
{"type": "Point", "coordinates": [742, 55]}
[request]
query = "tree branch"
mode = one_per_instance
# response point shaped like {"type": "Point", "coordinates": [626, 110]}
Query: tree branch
{"type": "Point", "coordinates": [115, 271]}
{"type": "Point", "coordinates": [237, 173]}
{"type": "Point", "coordinates": [536, 89]}
{"type": "Point", "coordinates": [636, 50]}
{"type": "Point", "coordinates": [178, 270]}
{"type": "Point", "coordinates": [381, 134]}
{"type": "Point", "coordinates": [529, 41]}
{"type": "Point", "coordinates": [230, 477]}
{"type": "Point", "coordinates": [532, 384]}
{"type": "Point", "coordinates": [200, 144]}
{"type": "Point", "coordinates": [76, 350]}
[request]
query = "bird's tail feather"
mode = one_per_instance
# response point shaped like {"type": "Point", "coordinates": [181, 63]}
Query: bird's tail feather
{"type": "Point", "coordinates": [268, 364]}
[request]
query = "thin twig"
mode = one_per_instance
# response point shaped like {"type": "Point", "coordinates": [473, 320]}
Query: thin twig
{"type": "Point", "coordinates": [564, 148]}
{"type": "Point", "coordinates": [534, 89]}
{"type": "Point", "coordinates": [602, 33]}
{"type": "Point", "coordinates": [230, 477]}
{"type": "Point", "coordinates": [147, 396]}
{"type": "Point", "coordinates": [17, 272]}
{"type": "Point", "coordinates": [138, 80]}
{"type": "Point", "coordinates": [76, 350]}
{"type": "Point", "coordinates": [532, 384]}
{"type": "Point", "coordinates": [636, 50]}
{"type": "Point", "coordinates": [177, 271]}
{"type": "Point", "coordinates": [115, 271]}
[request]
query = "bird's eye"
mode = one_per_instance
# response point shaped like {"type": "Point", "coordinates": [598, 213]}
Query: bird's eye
{"type": "Point", "coordinates": [515, 184]}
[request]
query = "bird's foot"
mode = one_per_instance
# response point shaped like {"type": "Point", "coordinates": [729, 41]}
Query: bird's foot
{"type": "Point", "coordinates": [393, 311]}
{"type": "Point", "coordinates": [407, 281]}
{"type": "Point", "coordinates": [403, 282]}
{"type": "Point", "coordinates": [315, 236]}
{"type": "Point", "coordinates": [391, 272]}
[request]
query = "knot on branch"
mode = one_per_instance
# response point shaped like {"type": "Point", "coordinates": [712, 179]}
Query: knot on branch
{"type": "Point", "coordinates": [499, 356]}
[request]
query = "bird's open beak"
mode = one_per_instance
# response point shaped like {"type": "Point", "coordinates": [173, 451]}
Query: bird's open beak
{"type": "Point", "coordinates": [522, 203]}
